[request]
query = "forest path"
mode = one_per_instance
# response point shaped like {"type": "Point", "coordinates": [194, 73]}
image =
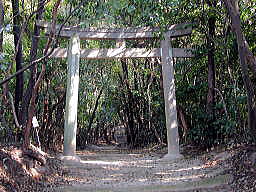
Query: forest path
{"type": "Point", "coordinates": [113, 170]}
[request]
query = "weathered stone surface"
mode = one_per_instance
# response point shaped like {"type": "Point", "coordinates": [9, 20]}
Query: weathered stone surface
{"type": "Point", "coordinates": [70, 126]}
{"type": "Point", "coordinates": [170, 99]}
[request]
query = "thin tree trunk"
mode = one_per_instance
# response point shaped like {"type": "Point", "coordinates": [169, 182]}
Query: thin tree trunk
{"type": "Point", "coordinates": [4, 95]}
{"type": "Point", "coordinates": [128, 105]}
{"type": "Point", "coordinates": [244, 54]}
{"type": "Point", "coordinates": [5, 86]}
{"type": "Point", "coordinates": [32, 104]}
{"type": "Point", "coordinates": [150, 111]}
{"type": "Point", "coordinates": [94, 113]}
{"type": "Point", "coordinates": [211, 62]}
{"type": "Point", "coordinates": [210, 133]}
{"type": "Point", "coordinates": [183, 122]}
{"type": "Point", "coordinates": [1, 24]}
{"type": "Point", "coordinates": [18, 55]}
{"type": "Point", "coordinates": [33, 69]}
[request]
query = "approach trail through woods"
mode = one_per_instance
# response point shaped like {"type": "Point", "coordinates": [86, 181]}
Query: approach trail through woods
{"type": "Point", "coordinates": [112, 169]}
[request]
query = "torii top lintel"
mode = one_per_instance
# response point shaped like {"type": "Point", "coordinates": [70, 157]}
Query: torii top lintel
{"type": "Point", "coordinates": [176, 30]}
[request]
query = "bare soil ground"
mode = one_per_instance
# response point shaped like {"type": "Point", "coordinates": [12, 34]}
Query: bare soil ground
{"type": "Point", "coordinates": [112, 169]}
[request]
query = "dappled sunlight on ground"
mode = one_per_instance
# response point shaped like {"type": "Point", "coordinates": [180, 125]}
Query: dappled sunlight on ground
{"type": "Point", "coordinates": [113, 169]}
{"type": "Point", "coordinates": [96, 162]}
{"type": "Point", "coordinates": [183, 178]}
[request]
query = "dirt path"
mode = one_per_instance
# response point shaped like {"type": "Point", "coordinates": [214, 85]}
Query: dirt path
{"type": "Point", "coordinates": [111, 170]}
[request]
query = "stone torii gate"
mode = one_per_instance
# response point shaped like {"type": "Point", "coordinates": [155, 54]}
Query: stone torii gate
{"type": "Point", "coordinates": [74, 53]}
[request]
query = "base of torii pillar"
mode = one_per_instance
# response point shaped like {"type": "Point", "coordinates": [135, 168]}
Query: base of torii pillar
{"type": "Point", "coordinates": [70, 159]}
{"type": "Point", "coordinates": [170, 157]}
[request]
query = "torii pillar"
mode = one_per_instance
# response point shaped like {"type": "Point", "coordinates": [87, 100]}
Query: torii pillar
{"type": "Point", "coordinates": [170, 99]}
{"type": "Point", "coordinates": [70, 126]}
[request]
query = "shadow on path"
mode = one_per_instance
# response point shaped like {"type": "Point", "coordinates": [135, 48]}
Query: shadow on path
{"type": "Point", "coordinates": [112, 170]}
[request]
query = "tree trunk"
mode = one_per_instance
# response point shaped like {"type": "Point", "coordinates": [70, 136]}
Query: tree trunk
{"type": "Point", "coordinates": [4, 98]}
{"type": "Point", "coordinates": [33, 69]}
{"type": "Point", "coordinates": [32, 104]}
{"type": "Point", "coordinates": [183, 122]}
{"type": "Point", "coordinates": [18, 54]}
{"type": "Point", "coordinates": [150, 108]}
{"type": "Point", "coordinates": [211, 134]}
{"type": "Point", "coordinates": [128, 105]}
{"type": "Point", "coordinates": [5, 85]}
{"type": "Point", "coordinates": [89, 132]}
{"type": "Point", "coordinates": [244, 54]}
{"type": "Point", "coordinates": [211, 62]}
{"type": "Point", "coordinates": [1, 24]}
